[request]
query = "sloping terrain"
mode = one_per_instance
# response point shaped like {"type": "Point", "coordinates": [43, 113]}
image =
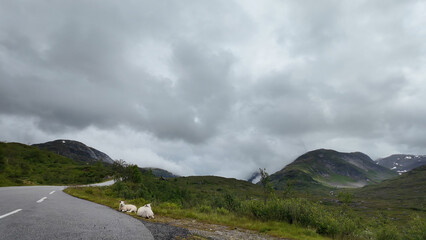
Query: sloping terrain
{"type": "Point", "coordinates": [409, 188]}
{"type": "Point", "coordinates": [158, 172]}
{"type": "Point", "coordinates": [21, 164]}
{"type": "Point", "coordinates": [402, 162]}
{"type": "Point", "coordinates": [329, 168]}
{"type": "Point", "coordinates": [75, 150]}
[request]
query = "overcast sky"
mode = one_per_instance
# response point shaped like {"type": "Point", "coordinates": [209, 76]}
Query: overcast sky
{"type": "Point", "coordinates": [215, 87]}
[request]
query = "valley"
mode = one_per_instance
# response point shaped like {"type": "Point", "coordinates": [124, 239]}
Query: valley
{"type": "Point", "coordinates": [322, 194]}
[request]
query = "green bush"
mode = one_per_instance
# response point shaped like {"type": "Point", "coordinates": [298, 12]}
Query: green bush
{"type": "Point", "coordinates": [222, 211]}
{"type": "Point", "coordinates": [231, 203]}
{"type": "Point", "coordinates": [205, 209]}
{"type": "Point", "coordinates": [169, 205]}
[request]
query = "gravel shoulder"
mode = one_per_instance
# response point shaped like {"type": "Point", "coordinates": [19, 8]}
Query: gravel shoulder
{"type": "Point", "coordinates": [164, 228]}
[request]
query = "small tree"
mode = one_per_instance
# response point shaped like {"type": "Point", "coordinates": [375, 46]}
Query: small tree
{"type": "Point", "coordinates": [288, 189]}
{"type": "Point", "coordinates": [126, 172]}
{"type": "Point", "coordinates": [268, 190]}
{"type": "Point", "coordinates": [2, 162]}
{"type": "Point", "coordinates": [119, 169]}
{"type": "Point", "coordinates": [133, 174]}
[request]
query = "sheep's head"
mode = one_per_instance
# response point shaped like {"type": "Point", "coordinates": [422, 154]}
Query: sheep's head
{"type": "Point", "coordinates": [148, 205]}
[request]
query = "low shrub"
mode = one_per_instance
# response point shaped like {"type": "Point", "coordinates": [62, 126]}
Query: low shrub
{"type": "Point", "coordinates": [205, 209]}
{"type": "Point", "coordinates": [222, 211]}
{"type": "Point", "coordinates": [302, 212]}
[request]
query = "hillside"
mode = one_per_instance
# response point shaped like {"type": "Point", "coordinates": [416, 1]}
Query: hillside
{"type": "Point", "coordinates": [158, 172]}
{"type": "Point", "coordinates": [27, 165]}
{"type": "Point", "coordinates": [402, 162]}
{"type": "Point", "coordinates": [409, 189]}
{"type": "Point", "coordinates": [75, 150]}
{"type": "Point", "coordinates": [328, 168]}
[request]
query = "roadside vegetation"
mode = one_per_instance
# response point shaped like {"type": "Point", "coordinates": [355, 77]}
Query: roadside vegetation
{"type": "Point", "coordinates": [27, 165]}
{"type": "Point", "coordinates": [393, 209]}
{"type": "Point", "coordinates": [257, 207]}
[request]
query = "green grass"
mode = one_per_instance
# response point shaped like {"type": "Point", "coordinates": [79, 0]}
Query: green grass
{"type": "Point", "coordinates": [292, 214]}
{"type": "Point", "coordinates": [27, 165]}
{"type": "Point", "coordinates": [102, 195]}
{"type": "Point", "coordinates": [397, 198]}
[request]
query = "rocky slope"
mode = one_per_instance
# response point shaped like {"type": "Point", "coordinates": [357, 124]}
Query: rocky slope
{"type": "Point", "coordinates": [75, 150]}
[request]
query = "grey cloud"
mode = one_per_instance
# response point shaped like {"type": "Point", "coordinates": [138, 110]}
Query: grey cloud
{"type": "Point", "coordinates": [82, 78]}
{"type": "Point", "coordinates": [187, 80]}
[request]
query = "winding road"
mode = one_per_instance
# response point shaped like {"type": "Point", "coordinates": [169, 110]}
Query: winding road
{"type": "Point", "coordinates": [45, 212]}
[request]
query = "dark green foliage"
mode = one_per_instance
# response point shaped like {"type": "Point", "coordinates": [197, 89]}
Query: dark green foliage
{"type": "Point", "coordinates": [26, 165]}
{"type": "Point", "coordinates": [126, 172]}
{"type": "Point", "coordinates": [416, 229]}
{"type": "Point", "coordinates": [216, 195]}
{"type": "Point", "coordinates": [231, 203]}
{"type": "Point", "coordinates": [345, 197]}
{"type": "Point", "coordinates": [388, 232]}
{"type": "Point", "coordinates": [265, 181]}
{"type": "Point", "coordinates": [302, 212]}
{"type": "Point", "coordinates": [2, 162]}
{"type": "Point", "coordinates": [407, 190]}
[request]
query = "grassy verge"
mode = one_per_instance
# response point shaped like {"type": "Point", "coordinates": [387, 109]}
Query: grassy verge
{"type": "Point", "coordinates": [240, 204]}
{"type": "Point", "coordinates": [205, 214]}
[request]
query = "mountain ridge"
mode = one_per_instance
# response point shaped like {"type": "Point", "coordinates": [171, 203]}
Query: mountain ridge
{"type": "Point", "coordinates": [75, 150]}
{"type": "Point", "coordinates": [331, 169]}
{"type": "Point", "coordinates": [402, 163]}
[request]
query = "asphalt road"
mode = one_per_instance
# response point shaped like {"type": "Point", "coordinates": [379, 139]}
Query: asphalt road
{"type": "Point", "coordinates": [45, 212]}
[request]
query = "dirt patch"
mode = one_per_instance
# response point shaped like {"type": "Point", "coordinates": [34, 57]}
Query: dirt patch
{"type": "Point", "coordinates": [163, 228]}
{"type": "Point", "coordinates": [164, 231]}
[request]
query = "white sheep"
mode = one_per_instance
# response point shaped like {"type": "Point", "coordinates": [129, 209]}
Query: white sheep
{"type": "Point", "coordinates": [146, 211]}
{"type": "Point", "coordinates": [126, 208]}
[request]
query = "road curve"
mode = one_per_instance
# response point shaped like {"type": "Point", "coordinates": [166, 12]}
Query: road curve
{"type": "Point", "coordinates": [45, 212]}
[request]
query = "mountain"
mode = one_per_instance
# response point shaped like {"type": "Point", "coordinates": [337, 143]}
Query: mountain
{"type": "Point", "coordinates": [22, 164]}
{"type": "Point", "coordinates": [158, 172]}
{"type": "Point", "coordinates": [75, 150]}
{"type": "Point", "coordinates": [402, 162]}
{"type": "Point", "coordinates": [406, 190]}
{"type": "Point", "coordinates": [324, 168]}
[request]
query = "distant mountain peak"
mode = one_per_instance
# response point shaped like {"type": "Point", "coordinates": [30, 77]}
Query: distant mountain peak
{"type": "Point", "coordinates": [331, 168]}
{"type": "Point", "coordinates": [402, 163]}
{"type": "Point", "coordinates": [75, 150]}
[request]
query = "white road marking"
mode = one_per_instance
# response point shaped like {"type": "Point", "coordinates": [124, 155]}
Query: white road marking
{"type": "Point", "coordinates": [41, 200]}
{"type": "Point", "coordinates": [51, 192]}
{"type": "Point", "coordinates": [7, 214]}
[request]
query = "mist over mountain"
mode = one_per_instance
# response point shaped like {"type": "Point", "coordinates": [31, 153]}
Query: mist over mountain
{"type": "Point", "coordinates": [254, 178]}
